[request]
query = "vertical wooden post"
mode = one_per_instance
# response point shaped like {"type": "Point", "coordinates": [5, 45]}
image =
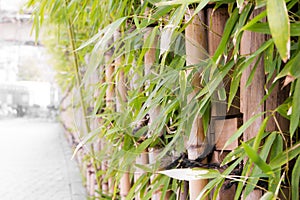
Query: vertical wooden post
{"type": "Point", "coordinates": [107, 187]}
{"type": "Point", "coordinates": [121, 97]}
{"type": "Point", "coordinates": [223, 129]}
{"type": "Point", "coordinates": [98, 143]}
{"type": "Point", "coordinates": [252, 95]}
{"type": "Point", "coordinates": [196, 45]}
{"type": "Point", "coordinates": [149, 60]}
{"type": "Point", "coordinates": [143, 158]}
{"type": "Point", "coordinates": [277, 97]}
{"type": "Point", "coordinates": [98, 79]}
{"type": "Point", "coordinates": [92, 165]}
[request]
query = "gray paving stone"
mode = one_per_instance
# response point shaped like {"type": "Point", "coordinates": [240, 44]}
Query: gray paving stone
{"type": "Point", "coordinates": [35, 162]}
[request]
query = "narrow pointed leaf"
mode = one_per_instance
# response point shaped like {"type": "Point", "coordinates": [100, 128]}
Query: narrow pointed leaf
{"type": "Point", "coordinates": [295, 109]}
{"type": "Point", "coordinates": [240, 131]}
{"type": "Point", "coordinates": [253, 155]}
{"type": "Point", "coordinates": [279, 26]}
{"type": "Point", "coordinates": [296, 179]}
{"type": "Point", "coordinates": [284, 157]}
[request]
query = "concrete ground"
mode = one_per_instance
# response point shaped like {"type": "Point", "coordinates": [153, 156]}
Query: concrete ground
{"type": "Point", "coordinates": [35, 162]}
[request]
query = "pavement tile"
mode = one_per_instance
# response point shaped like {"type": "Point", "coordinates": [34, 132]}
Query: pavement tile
{"type": "Point", "coordinates": [35, 162]}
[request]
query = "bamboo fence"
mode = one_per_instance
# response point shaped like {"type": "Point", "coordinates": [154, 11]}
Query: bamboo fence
{"type": "Point", "coordinates": [202, 37]}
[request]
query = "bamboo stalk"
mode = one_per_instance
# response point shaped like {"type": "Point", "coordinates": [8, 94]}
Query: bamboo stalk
{"type": "Point", "coordinates": [216, 20]}
{"type": "Point", "coordinates": [149, 60]}
{"type": "Point", "coordinates": [182, 193]}
{"type": "Point", "coordinates": [252, 95]}
{"type": "Point", "coordinates": [153, 153]}
{"type": "Point", "coordinates": [223, 129]}
{"type": "Point", "coordinates": [96, 123]}
{"type": "Point", "coordinates": [143, 158]}
{"type": "Point", "coordinates": [107, 186]}
{"type": "Point", "coordinates": [96, 79]}
{"type": "Point", "coordinates": [196, 43]}
{"type": "Point", "coordinates": [121, 93]}
{"type": "Point", "coordinates": [72, 38]}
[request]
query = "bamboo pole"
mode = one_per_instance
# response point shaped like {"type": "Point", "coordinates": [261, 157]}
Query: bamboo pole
{"type": "Point", "coordinates": [96, 79]}
{"type": "Point", "coordinates": [98, 143]}
{"type": "Point", "coordinates": [182, 193]}
{"type": "Point", "coordinates": [196, 44]}
{"type": "Point", "coordinates": [143, 158]}
{"type": "Point", "coordinates": [110, 105]}
{"type": "Point", "coordinates": [92, 165]}
{"type": "Point", "coordinates": [276, 98]}
{"type": "Point", "coordinates": [121, 97]}
{"type": "Point", "coordinates": [107, 186]}
{"type": "Point", "coordinates": [252, 95]}
{"type": "Point", "coordinates": [223, 129]}
{"type": "Point", "coordinates": [149, 60]}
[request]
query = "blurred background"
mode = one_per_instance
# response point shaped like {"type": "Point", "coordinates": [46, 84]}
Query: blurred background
{"type": "Point", "coordinates": [27, 87]}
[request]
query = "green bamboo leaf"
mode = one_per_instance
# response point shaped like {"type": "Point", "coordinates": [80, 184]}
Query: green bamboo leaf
{"type": "Point", "coordinates": [215, 82]}
{"type": "Point", "coordinates": [183, 85]}
{"type": "Point", "coordinates": [100, 98]}
{"type": "Point", "coordinates": [140, 183]}
{"type": "Point", "coordinates": [231, 22]}
{"type": "Point", "coordinates": [158, 182]}
{"type": "Point", "coordinates": [165, 188]}
{"type": "Point", "coordinates": [263, 27]}
{"type": "Point", "coordinates": [295, 117]}
{"type": "Point", "coordinates": [280, 26]}
{"type": "Point", "coordinates": [253, 155]}
{"type": "Point", "coordinates": [211, 184]}
{"type": "Point", "coordinates": [291, 68]}
{"type": "Point", "coordinates": [148, 44]}
{"type": "Point", "coordinates": [234, 86]}
{"type": "Point", "coordinates": [276, 149]}
{"type": "Point", "coordinates": [160, 12]}
{"type": "Point", "coordinates": [284, 157]}
{"type": "Point", "coordinates": [86, 139]}
{"type": "Point", "coordinates": [136, 22]}
{"type": "Point", "coordinates": [257, 19]}
{"type": "Point", "coordinates": [252, 73]}
{"type": "Point", "coordinates": [241, 130]}
{"type": "Point", "coordinates": [269, 62]}
{"type": "Point", "coordinates": [239, 151]}
{"type": "Point", "coordinates": [296, 179]}
{"type": "Point", "coordinates": [168, 32]}
{"type": "Point", "coordinates": [143, 145]}
{"type": "Point", "coordinates": [256, 171]}
{"type": "Point", "coordinates": [104, 34]}
{"type": "Point", "coordinates": [259, 135]}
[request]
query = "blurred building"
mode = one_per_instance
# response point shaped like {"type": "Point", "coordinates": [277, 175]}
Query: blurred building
{"type": "Point", "coordinates": [19, 51]}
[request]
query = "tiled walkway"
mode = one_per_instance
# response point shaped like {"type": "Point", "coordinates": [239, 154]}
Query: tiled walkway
{"type": "Point", "coordinates": [35, 162]}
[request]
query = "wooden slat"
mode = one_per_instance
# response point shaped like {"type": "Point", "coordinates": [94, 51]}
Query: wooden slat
{"type": "Point", "coordinates": [149, 60]}
{"type": "Point", "coordinates": [251, 96]}
{"type": "Point", "coordinates": [223, 131]}
{"type": "Point", "coordinates": [196, 50]}
{"type": "Point", "coordinates": [121, 98]}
